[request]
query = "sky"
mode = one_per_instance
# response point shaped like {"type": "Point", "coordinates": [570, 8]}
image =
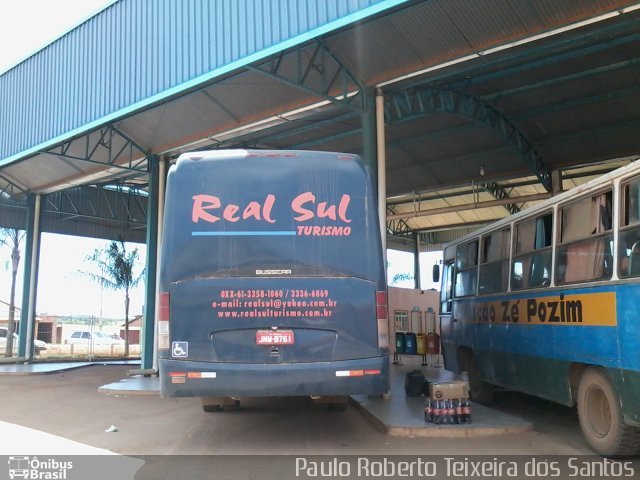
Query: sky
{"type": "Point", "coordinates": [26, 26]}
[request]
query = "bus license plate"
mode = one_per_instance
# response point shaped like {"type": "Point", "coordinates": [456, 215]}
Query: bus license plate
{"type": "Point", "coordinates": [277, 337]}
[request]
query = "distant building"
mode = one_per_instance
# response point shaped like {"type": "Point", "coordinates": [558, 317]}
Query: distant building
{"type": "Point", "coordinates": [135, 325]}
{"type": "Point", "coordinates": [47, 328]}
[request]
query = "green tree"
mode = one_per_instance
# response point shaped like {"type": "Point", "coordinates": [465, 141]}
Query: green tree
{"type": "Point", "coordinates": [12, 238]}
{"type": "Point", "coordinates": [117, 266]}
{"type": "Point", "coordinates": [402, 277]}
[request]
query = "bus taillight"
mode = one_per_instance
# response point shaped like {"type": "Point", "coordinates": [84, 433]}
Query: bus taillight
{"type": "Point", "coordinates": [383, 319]}
{"type": "Point", "coordinates": [164, 314]}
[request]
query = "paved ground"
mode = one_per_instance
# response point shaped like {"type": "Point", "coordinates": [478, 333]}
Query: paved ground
{"type": "Point", "coordinates": [68, 404]}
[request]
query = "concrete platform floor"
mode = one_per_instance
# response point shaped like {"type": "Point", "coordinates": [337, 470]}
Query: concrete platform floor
{"type": "Point", "coordinates": [135, 385]}
{"type": "Point", "coordinates": [44, 368]}
{"type": "Point", "coordinates": [403, 416]}
{"type": "Point", "coordinates": [397, 415]}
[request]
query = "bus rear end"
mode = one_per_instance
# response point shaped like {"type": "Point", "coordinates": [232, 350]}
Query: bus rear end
{"type": "Point", "coordinates": [272, 279]}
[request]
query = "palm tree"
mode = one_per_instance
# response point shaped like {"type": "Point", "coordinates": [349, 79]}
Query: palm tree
{"type": "Point", "coordinates": [12, 238]}
{"type": "Point", "coordinates": [117, 266]}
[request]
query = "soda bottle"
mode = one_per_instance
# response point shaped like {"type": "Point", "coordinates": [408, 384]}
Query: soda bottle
{"type": "Point", "coordinates": [428, 412]}
{"type": "Point", "coordinates": [451, 412]}
{"type": "Point", "coordinates": [459, 411]}
{"type": "Point", "coordinates": [437, 413]}
{"type": "Point", "coordinates": [466, 410]}
{"type": "Point", "coordinates": [445, 412]}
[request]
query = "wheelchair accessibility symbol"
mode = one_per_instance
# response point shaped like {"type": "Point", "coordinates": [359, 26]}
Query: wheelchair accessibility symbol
{"type": "Point", "coordinates": [179, 349]}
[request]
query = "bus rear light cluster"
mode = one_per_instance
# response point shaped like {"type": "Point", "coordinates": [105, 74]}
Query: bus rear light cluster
{"type": "Point", "coordinates": [383, 319]}
{"type": "Point", "coordinates": [164, 314]}
{"type": "Point", "coordinates": [356, 373]}
{"type": "Point", "coordinates": [201, 375]}
{"type": "Point", "coordinates": [163, 306]}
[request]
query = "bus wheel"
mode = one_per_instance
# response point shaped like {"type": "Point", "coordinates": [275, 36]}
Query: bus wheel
{"type": "Point", "coordinates": [481, 392]}
{"type": "Point", "coordinates": [600, 416]}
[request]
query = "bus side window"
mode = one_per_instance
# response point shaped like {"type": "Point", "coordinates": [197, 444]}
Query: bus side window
{"type": "Point", "coordinates": [629, 237]}
{"type": "Point", "coordinates": [584, 251]}
{"type": "Point", "coordinates": [466, 269]}
{"type": "Point", "coordinates": [446, 292]}
{"type": "Point", "coordinates": [531, 267]}
{"type": "Point", "coordinates": [494, 262]}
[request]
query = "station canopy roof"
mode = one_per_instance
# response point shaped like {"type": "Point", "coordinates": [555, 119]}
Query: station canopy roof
{"type": "Point", "coordinates": [484, 99]}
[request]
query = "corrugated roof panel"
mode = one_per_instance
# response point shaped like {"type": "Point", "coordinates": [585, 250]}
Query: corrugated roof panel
{"type": "Point", "coordinates": [135, 52]}
{"type": "Point", "coordinates": [449, 29]}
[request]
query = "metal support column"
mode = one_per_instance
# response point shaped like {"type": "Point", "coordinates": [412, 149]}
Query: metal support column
{"type": "Point", "coordinates": [556, 182]}
{"type": "Point", "coordinates": [30, 282]}
{"type": "Point", "coordinates": [416, 260]}
{"type": "Point", "coordinates": [369, 135]}
{"type": "Point", "coordinates": [382, 173]}
{"type": "Point", "coordinates": [369, 155]}
{"type": "Point", "coordinates": [162, 183]}
{"type": "Point", "coordinates": [148, 327]}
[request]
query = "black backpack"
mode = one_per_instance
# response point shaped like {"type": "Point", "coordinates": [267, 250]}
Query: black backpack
{"type": "Point", "coordinates": [414, 383]}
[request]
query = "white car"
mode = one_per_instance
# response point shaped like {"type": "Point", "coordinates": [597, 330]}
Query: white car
{"type": "Point", "coordinates": [39, 345]}
{"type": "Point", "coordinates": [96, 338]}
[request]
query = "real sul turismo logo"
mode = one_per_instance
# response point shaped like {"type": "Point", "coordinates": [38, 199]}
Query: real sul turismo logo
{"type": "Point", "coordinates": [304, 208]}
{"type": "Point", "coordinates": [38, 469]}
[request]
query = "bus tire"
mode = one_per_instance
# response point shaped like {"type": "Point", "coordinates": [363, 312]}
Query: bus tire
{"type": "Point", "coordinates": [600, 416]}
{"type": "Point", "coordinates": [479, 391]}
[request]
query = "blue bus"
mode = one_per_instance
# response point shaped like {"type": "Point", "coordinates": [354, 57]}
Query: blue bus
{"type": "Point", "coordinates": [546, 302]}
{"type": "Point", "coordinates": [271, 280]}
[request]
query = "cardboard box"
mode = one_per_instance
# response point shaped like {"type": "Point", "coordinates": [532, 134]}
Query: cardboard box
{"type": "Point", "coordinates": [448, 390]}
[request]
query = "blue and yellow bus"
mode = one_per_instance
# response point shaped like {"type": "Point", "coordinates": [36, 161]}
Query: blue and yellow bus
{"type": "Point", "coordinates": [272, 280]}
{"type": "Point", "coordinates": [547, 302]}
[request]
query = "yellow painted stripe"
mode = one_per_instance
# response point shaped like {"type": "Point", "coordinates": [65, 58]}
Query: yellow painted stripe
{"type": "Point", "coordinates": [591, 309]}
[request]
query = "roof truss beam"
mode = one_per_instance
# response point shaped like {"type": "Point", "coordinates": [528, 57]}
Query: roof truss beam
{"type": "Point", "coordinates": [417, 103]}
{"type": "Point", "coordinates": [397, 227]}
{"type": "Point", "coordinates": [500, 193]}
{"type": "Point", "coordinates": [119, 205]}
{"type": "Point", "coordinates": [316, 70]}
{"type": "Point", "coordinates": [108, 147]}
{"type": "Point", "coordinates": [12, 187]}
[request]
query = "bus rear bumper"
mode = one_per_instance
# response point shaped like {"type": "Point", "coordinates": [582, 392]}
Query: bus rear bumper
{"type": "Point", "coordinates": [180, 378]}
